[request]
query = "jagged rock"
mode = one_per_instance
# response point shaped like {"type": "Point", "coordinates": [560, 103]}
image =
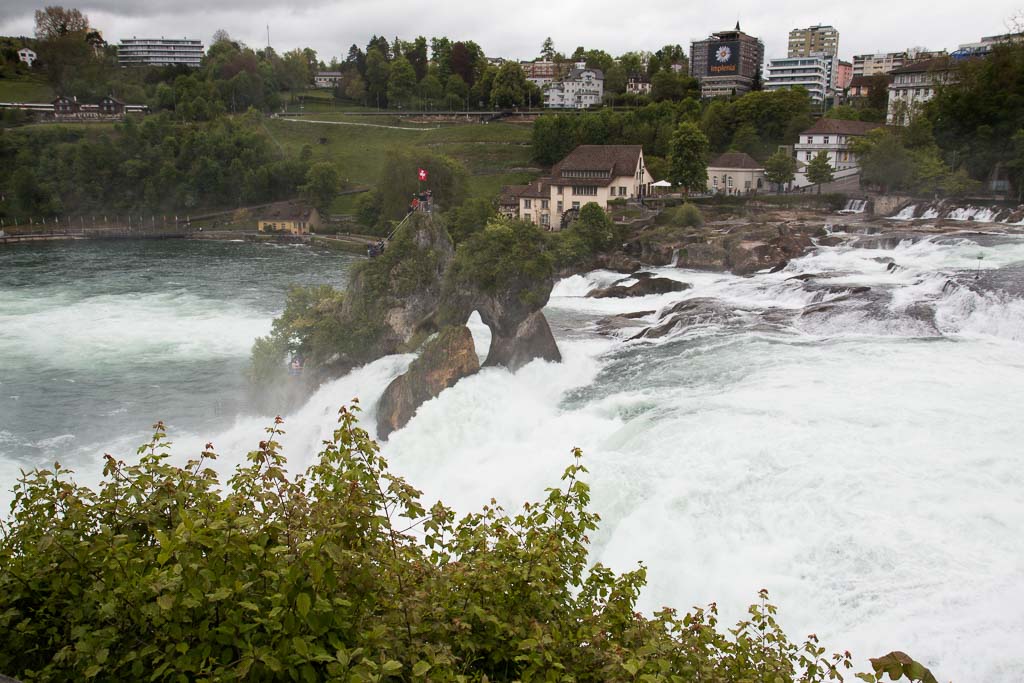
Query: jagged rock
{"type": "Point", "coordinates": [830, 241]}
{"type": "Point", "coordinates": [530, 340]}
{"type": "Point", "coordinates": [623, 321]}
{"type": "Point", "coordinates": [618, 262]}
{"type": "Point", "coordinates": [445, 360]}
{"type": "Point", "coordinates": [687, 313]}
{"type": "Point", "coordinates": [702, 257]}
{"type": "Point", "coordinates": [644, 287]}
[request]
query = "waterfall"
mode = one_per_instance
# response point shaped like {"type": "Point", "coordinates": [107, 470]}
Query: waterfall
{"type": "Point", "coordinates": [854, 206]}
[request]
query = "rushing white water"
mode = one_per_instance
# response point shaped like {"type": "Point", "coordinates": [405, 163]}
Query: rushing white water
{"type": "Point", "coordinates": [858, 453]}
{"type": "Point", "coordinates": [905, 214]}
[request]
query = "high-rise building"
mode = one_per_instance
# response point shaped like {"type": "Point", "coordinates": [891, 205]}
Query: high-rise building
{"type": "Point", "coordinates": [810, 73]}
{"type": "Point", "coordinates": [726, 63]}
{"type": "Point", "coordinates": [160, 52]}
{"type": "Point", "coordinates": [814, 40]}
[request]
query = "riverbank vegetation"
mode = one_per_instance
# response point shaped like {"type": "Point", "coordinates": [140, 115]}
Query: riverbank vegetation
{"type": "Point", "coordinates": [169, 572]}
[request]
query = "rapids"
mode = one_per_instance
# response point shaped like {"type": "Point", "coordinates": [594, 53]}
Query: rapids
{"type": "Point", "coordinates": [858, 453]}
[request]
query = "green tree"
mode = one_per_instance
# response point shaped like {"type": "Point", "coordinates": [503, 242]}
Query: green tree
{"type": "Point", "coordinates": [401, 83]}
{"type": "Point", "coordinates": [377, 71]}
{"type": "Point", "coordinates": [688, 157]}
{"type": "Point", "coordinates": [884, 161]}
{"type": "Point", "coordinates": [510, 86]}
{"type": "Point", "coordinates": [322, 180]}
{"type": "Point", "coordinates": [594, 227]}
{"type": "Point", "coordinates": [780, 169]}
{"type": "Point", "coordinates": [819, 171]}
{"type": "Point", "coordinates": [547, 50]}
{"type": "Point", "coordinates": [456, 91]}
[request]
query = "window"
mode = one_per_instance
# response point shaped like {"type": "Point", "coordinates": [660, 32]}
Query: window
{"type": "Point", "coordinates": [810, 139]}
{"type": "Point", "coordinates": [527, 204]}
{"type": "Point", "coordinates": [622, 192]}
{"type": "Point", "coordinates": [826, 139]}
{"type": "Point", "coordinates": [560, 207]}
{"type": "Point", "coordinates": [611, 191]}
{"type": "Point", "coordinates": [559, 189]}
{"type": "Point", "coordinates": [714, 181]}
{"type": "Point", "coordinates": [729, 180]}
{"type": "Point", "coordinates": [544, 203]}
{"type": "Point", "coordinates": [545, 219]}
{"type": "Point", "coordinates": [575, 205]}
{"type": "Point", "coordinates": [584, 191]}
{"type": "Point", "coordinates": [528, 218]}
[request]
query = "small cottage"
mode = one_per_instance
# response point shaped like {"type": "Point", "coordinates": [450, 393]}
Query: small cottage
{"type": "Point", "coordinates": [735, 173]}
{"type": "Point", "coordinates": [293, 218]}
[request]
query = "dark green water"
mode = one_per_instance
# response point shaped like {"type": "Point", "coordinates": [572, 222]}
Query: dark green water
{"type": "Point", "coordinates": [99, 339]}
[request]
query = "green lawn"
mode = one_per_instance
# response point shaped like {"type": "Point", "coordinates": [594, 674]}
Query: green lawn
{"type": "Point", "coordinates": [495, 154]}
{"type": "Point", "coordinates": [25, 89]}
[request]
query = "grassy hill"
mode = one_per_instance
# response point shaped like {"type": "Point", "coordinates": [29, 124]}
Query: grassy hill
{"type": "Point", "coordinates": [495, 154]}
{"type": "Point", "coordinates": [25, 89]}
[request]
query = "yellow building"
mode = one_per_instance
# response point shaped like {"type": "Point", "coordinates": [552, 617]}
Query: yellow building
{"type": "Point", "coordinates": [292, 218]}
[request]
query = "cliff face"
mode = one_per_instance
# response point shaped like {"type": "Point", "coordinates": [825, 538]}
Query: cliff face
{"type": "Point", "coordinates": [420, 286]}
{"type": "Point", "coordinates": [445, 360]}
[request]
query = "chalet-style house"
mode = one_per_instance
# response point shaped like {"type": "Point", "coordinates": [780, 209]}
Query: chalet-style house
{"type": "Point", "coordinates": [27, 56]}
{"type": "Point", "coordinates": [111, 106]}
{"type": "Point", "coordinates": [590, 173]}
{"type": "Point", "coordinates": [293, 218]}
{"type": "Point", "coordinates": [735, 173]}
{"type": "Point", "coordinates": [66, 106]}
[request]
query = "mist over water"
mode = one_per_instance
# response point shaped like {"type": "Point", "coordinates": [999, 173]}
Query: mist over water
{"type": "Point", "coordinates": [858, 453]}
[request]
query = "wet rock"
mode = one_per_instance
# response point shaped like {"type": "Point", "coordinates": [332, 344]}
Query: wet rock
{"type": "Point", "coordinates": [884, 259]}
{"type": "Point", "coordinates": [644, 287]}
{"type": "Point", "coordinates": [830, 241]}
{"type": "Point", "coordinates": [687, 313]}
{"type": "Point", "coordinates": [702, 257]}
{"type": "Point", "coordinates": [445, 360]}
{"type": "Point", "coordinates": [530, 340]}
{"type": "Point", "coordinates": [618, 262]}
{"type": "Point", "coordinates": [614, 323]}
{"type": "Point", "coordinates": [893, 267]}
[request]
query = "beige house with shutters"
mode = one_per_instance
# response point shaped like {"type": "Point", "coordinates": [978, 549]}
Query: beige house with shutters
{"type": "Point", "coordinates": [590, 173]}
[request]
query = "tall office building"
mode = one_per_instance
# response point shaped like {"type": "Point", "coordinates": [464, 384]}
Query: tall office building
{"type": "Point", "coordinates": [726, 63]}
{"type": "Point", "coordinates": [815, 40]}
{"type": "Point", "coordinates": [160, 52]}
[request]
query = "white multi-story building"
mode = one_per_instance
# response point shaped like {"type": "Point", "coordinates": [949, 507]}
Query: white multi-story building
{"type": "Point", "coordinates": [26, 55]}
{"type": "Point", "coordinates": [985, 45]}
{"type": "Point", "coordinates": [160, 52]}
{"type": "Point", "coordinates": [832, 136]}
{"type": "Point", "coordinates": [810, 72]}
{"type": "Point", "coordinates": [638, 84]}
{"type": "Point", "coordinates": [915, 84]}
{"type": "Point", "coordinates": [580, 89]}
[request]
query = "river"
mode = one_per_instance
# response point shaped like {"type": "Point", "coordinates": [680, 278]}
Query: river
{"type": "Point", "coordinates": [858, 454]}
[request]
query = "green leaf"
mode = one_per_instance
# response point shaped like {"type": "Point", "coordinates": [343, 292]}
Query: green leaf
{"type": "Point", "coordinates": [391, 667]}
{"type": "Point", "coordinates": [300, 646]}
{"type": "Point", "coordinates": [303, 603]}
{"type": "Point", "coordinates": [420, 668]}
{"type": "Point", "coordinates": [165, 601]}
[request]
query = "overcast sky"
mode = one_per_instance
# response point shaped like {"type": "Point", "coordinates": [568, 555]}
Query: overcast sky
{"type": "Point", "coordinates": [516, 28]}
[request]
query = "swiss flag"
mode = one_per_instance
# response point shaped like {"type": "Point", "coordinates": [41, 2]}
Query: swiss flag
{"type": "Point", "coordinates": [423, 174]}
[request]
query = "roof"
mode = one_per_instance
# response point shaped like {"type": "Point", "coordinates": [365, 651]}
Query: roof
{"type": "Point", "coordinates": [537, 189]}
{"type": "Point", "coordinates": [510, 194]}
{"type": "Point", "coordinates": [617, 160]}
{"type": "Point", "coordinates": [825, 126]}
{"type": "Point", "coordinates": [286, 211]}
{"type": "Point", "coordinates": [925, 65]}
{"type": "Point", "coordinates": [736, 160]}
{"type": "Point", "coordinates": [861, 81]}
{"type": "Point", "coordinates": [576, 73]}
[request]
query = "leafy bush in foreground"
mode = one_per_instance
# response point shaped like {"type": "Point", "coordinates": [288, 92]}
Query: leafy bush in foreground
{"type": "Point", "coordinates": [166, 573]}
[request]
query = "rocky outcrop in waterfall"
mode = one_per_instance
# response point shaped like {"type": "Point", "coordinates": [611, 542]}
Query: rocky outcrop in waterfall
{"type": "Point", "coordinates": [445, 360]}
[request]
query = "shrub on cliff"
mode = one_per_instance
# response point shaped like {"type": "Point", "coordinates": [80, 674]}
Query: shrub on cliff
{"type": "Point", "coordinates": [167, 573]}
{"type": "Point", "coordinates": [506, 254]}
{"type": "Point", "coordinates": [397, 183]}
{"type": "Point", "coordinates": [309, 327]}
